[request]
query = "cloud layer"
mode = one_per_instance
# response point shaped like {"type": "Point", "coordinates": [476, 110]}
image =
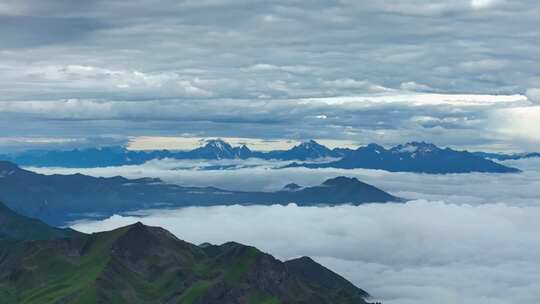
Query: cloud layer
{"type": "Point", "coordinates": [259, 175]}
{"type": "Point", "coordinates": [419, 252]}
{"type": "Point", "coordinates": [467, 238]}
{"type": "Point", "coordinates": [238, 68]}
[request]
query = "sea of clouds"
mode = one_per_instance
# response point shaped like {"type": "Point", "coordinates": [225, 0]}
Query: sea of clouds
{"type": "Point", "coordinates": [261, 175]}
{"type": "Point", "coordinates": [464, 238]}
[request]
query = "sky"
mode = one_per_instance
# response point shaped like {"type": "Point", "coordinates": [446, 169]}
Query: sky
{"type": "Point", "coordinates": [459, 73]}
{"type": "Point", "coordinates": [463, 238]}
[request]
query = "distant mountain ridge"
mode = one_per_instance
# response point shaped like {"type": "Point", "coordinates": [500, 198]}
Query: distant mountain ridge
{"type": "Point", "coordinates": [17, 227]}
{"type": "Point", "coordinates": [148, 265]}
{"type": "Point", "coordinates": [116, 156]}
{"type": "Point", "coordinates": [419, 157]}
{"type": "Point", "coordinates": [58, 199]}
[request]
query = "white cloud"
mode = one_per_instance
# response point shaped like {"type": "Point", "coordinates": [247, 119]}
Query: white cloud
{"type": "Point", "coordinates": [87, 78]}
{"type": "Point", "coordinates": [518, 123]}
{"type": "Point", "coordinates": [363, 85]}
{"type": "Point", "coordinates": [415, 87]}
{"type": "Point", "coordinates": [484, 65]}
{"type": "Point", "coordinates": [425, 99]}
{"type": "Point", "coordinates": [477, 188]}
{"type": "Point", "coordinates": [421, 252]}
{"type": "Point", "coordinates": [481, 4]}
{"type": "Point", "coordinates": [534, 95]}
{"type": "Point", "coordinates": [284, 68]}
{"type": "Point", "coordinates": [189, 143]}
{"type": "Point", "coordinates": [470, 238]}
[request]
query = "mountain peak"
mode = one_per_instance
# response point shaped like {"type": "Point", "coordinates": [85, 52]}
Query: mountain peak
{"type": "Point", "coordinates": [117, 263]}
{"type": "Point", "coordinates": [415, 147]}
{"type": "Point", "coordinates": [292, 187]}
{"type": "Point", "coordinates": [6, 165]}
{"type": "Point", "coordinates": [244, 147]}
{"type": "Point", "coordinates": [218, 144]}
{"type": "Point", "coordinates": [373, 147]}
{"type": "Point", "coordinates": [136, 240]}
{"type": "Point", "coordinates": [311, 144]}
{"type": "Point", "coordinates": [14, 226]}
{"type": "Point", "coordinates": [341, 181]}
{"type": "Point", "coordinates": [311, 271]}
{"type": "Point", "coordinates": [8, 168]}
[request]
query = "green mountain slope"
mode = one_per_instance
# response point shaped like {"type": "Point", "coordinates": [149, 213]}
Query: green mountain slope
{"type": "Point", "coordinates": [17, 227]}
{"type": "Point", "coordinates": [141, 264]}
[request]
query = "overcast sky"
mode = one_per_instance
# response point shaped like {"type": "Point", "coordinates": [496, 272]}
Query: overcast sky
{"type": "Point", "coordinates": [97, 72]}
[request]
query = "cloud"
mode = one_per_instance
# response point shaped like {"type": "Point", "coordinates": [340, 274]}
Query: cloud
{"type": "Point", "coordinates": [482, 4]}
{"type": "Point", "coordinates": [534, 95]}
{"type": "Point", "coordinates": [470, 238]}
{"type": "Point", "coordinates": [287, 68]}
{"type": "Point", "coordinates": [84, 79]}
{"type": "Point", "coordinates": [363, 85]}
{"type": "Point", "coordinates": [413, 86]}
{"type": "Point", "coordinates": [253, 60]}
{"type": "Point", "coordinates": [519, 123]}
{"type": "Point", "coordinates": [386, 118]}
{"type": "Point", "coordinates": [14, 144]}
{"type": "Point", "coordinates": [402, 253]}
{"type": "Point", "coordinates": [258, 175]}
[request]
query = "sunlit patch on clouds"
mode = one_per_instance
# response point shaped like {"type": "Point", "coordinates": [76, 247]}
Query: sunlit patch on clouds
{"type": "Point", "coordinates": [386, 118]}
{"type": "Point", "coordinates": [425, 99]}
{"type": "Point", "coordinates": [518, 123]}
{"type": "Point", "coordinates": [256, 144]}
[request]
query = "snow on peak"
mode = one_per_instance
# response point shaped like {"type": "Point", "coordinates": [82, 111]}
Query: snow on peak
{"type": "Point", "coordinates": [218, 144]}
{"type": "Point", "coordinates": [415, 147]}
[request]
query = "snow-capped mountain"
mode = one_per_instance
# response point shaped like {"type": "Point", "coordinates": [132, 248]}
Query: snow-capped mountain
{"type": "Point", "coordinates": [410, 157]}
{"type": "Point", "coordinates": [308, 150]}
{"type": "Point", "coordinates": [217, 149]}
{"type": "Point", "coordinates": [418, 157]}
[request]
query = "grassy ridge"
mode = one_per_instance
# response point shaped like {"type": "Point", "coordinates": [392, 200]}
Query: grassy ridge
{"type": "Point", "coordinates": [139, 264]}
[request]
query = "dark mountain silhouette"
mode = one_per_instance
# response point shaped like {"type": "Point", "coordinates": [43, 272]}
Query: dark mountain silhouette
{"type": "Point", "coordinates": [292, 187]}
{"type": "Point", "coordinates": [142, 264]}
{"type": "Point", "coordinates": [58, 199]}
{"type": "Point", "coordinates": [17, 227]}
{"type": "Point", "coordinates": [413, 157]}
{"type": "Point", "coordinates": [317, 275]}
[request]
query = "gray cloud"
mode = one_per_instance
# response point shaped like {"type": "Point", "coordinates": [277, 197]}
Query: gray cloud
{"type": "Point", "coordinates": [390, 118]}
{"type": "Point", "coordinates": [167, 55]}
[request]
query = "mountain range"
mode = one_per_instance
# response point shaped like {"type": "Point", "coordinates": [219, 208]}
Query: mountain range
{"type": "Point", "coordinates": [411, 157]}
{"type": "Point", "coordinates": [17, 227]}
{"type": "Point", "coordinates": [58, 199]}
{"type": "Point", "coordinates": [116, 156]}
{"type": "Point", "coordinates": [141, 264]}
{"type": "Point", "coordinates": [417, 157]}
